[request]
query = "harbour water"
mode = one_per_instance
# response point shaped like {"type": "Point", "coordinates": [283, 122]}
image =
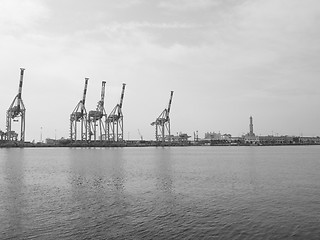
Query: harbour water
{"type": "Point", "coordinates": [160, 193]}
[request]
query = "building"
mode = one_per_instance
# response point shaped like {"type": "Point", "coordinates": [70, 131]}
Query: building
{"type": "Point", "coordinates": [250, 137]}
{"type": "Point", "coordinates": [309, 140]}
{"type": "Point", "coordinates": [212, 136]}
{"type": "Point", "coordinates": [181, 137]}
{"type": "Point", "coordinates": [276, 140]}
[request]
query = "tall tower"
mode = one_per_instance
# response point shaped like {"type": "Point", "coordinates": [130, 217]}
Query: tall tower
{"type": "Point", "coordinates": [251, 127]}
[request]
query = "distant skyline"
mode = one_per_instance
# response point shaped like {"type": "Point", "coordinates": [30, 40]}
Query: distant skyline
{"type": "Point", "coordinates": [225, 60]}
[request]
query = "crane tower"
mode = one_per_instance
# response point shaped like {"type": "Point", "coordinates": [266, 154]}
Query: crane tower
{"type": "Point", "coordinates": [16, 110]}
{"type": "Point", "coordinates": [115, 120]}
{"type": "Point", "coordinates": [79, 115]}
{"type": "Point", "coordinates": [97, 118]}
{"type": "Point", "coordinates": [162, 123]}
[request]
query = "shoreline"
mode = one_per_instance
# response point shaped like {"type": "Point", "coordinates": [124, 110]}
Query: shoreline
{"type": "Point", "coordinates": [106, 144]}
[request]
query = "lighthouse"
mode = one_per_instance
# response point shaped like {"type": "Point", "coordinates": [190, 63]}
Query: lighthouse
{"type": "Point", "coordinates": [251, 127]}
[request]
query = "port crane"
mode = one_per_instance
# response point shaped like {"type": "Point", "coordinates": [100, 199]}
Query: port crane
{"type": "Point", "coordinates": [16, 110]}
{"type": "Point", "coordinates": [162, 123]}
{"type": "Point", "coordinates": [115, 120]}
{"type": "Point", "coordinates": [141, 137]}
{"type": "Point", "coordinates": [79, 115]}
{"type": "Point", "coordinates": [97, 118]}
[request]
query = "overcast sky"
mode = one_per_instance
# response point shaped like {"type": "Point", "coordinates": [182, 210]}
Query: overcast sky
{"type": "Point", "coordinates": [224, 59]}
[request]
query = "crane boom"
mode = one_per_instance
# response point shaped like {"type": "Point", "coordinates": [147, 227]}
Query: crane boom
{"type": "Point", "coordinates": [122, 95]}
{"type": "Point", "coordinates": [85, 91]}
{"type": "Point", "coordinates": [84, 95]}
{"type": "Point", "coordinates": [103, 89]}
{"type": "Point", "coordinates": [20, 85]}
{"type": "Point", "coordinates": [169, 106]}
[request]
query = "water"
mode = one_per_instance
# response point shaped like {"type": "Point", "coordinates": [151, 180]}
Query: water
{"type": "Point", "coordinates": [160, 193]}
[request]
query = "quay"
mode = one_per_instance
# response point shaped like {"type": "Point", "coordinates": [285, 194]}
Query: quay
{"type": "Point", "coordinates": [138, 143]}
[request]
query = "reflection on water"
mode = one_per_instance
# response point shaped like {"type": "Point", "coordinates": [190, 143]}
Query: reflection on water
{"type": "Point", "coordinates": [160, 193]}
{"type": "Point", "coordinates": [117, 166]}
{"type": "Point", "coordinates": [93, 168]}
{"type": "Point", "coordinates": [163, 171]}
{"type": "Point", "coordinates": [12, 190]}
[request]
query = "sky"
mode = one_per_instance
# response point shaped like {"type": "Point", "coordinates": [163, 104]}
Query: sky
{"type": "Point", "coordinates": [225, 60]}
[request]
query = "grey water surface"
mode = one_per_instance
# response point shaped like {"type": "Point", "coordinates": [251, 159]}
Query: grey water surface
{"type": "Point", "coordinates": [160, 193]}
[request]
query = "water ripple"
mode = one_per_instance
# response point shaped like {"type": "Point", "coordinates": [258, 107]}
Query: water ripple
{"type": "Point", "coordinates": [159, 193]}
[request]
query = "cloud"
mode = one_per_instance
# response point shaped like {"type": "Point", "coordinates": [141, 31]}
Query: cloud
{"type": "Point", "coordinates": [280, 20]}
{"type": "Point", "coordinates": [284, 34]}
{"type": "Point", "coordinates": [230, 56]}
{"type": "Point", "coordinates": [129, 28]}
{"type": "Point", "coordinates": [127, 3]}
{"type": "Point", "coordinates": [20, 15]}
{"type": "Point", "coordinates": [187, 5]}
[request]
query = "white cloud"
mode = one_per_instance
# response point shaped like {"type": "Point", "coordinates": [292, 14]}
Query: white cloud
{"type": "Point", "coordinates": [130, 28]}
{"type": "Point", "coordinates": [188, 5]}
{"type": "Point", "coordinates": [17, 15]}
{"type": "Point", "coordinates": [256, 54]}
{"type": "Point", "coordinates": [281, 36]}
{"type": "Point", "coordinates": [127, 3]}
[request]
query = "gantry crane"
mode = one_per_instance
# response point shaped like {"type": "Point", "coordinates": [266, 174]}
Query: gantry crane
{"type": "Point", "coordinates": [115, 120]}
{"type": "Point", "coordinates": [15, 111]}
{"type": "Point", "coordinates": [97, 118]}
{"type": "Point", "coordinates": [79, 115]}
{"type": "Point", "coordinates": [162, 123]}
